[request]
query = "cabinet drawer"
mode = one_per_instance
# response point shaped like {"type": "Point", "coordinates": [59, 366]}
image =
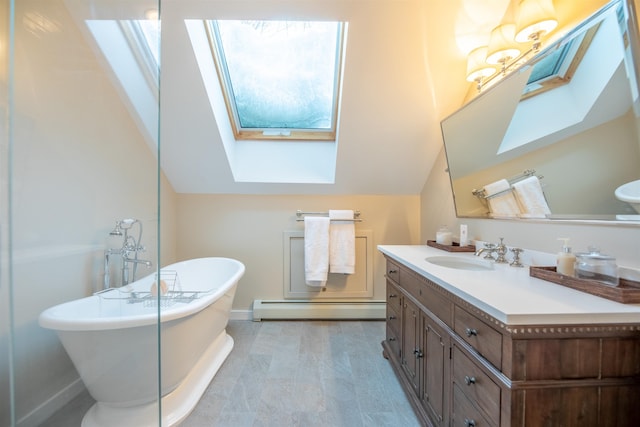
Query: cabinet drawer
{"type": "Point", "coordinates": [409, 282]}
{"type": "Point", "coordinates": [393, 339]}
{"type": "Point", "coordinates": [435, 302]}
{"type": "Point", "coordinates": [393, 319]}
{"type": "Point", "coordinates": [476, 385]}
{"type": "Point", "coordinates": [486, 340]}
{"type": "Point", "coordinates": [464, 413]}
{"type": "Point", "coordinates": [393, 271]}
{"type": "Point", "coordinates": [393, 297]}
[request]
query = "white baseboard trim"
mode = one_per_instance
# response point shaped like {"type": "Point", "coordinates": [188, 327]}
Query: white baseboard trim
{"type": "Point", "coordinates": [49, 407]}
{"type": "Point", "coordinates": [295, 309]}
{"type": "Point", "coordinates": [241, 315]}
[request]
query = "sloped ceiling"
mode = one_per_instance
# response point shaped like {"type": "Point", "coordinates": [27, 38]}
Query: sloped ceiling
{"type": "Point", "coordinates": [404, 72]}
{"type": "Point", "coordinates": [388, 131]}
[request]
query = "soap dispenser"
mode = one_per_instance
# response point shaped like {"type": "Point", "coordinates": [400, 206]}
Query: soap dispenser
{"type": "Point", "coordinates": [566, 261]}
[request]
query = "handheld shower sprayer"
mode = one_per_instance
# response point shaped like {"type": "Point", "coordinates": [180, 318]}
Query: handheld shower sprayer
{"type": "Point", "coordinates": [131, 247]}
{"type": "Point", "coordinates": [127, 223]}
{"type": "Point", "coordinates": [117, 230]}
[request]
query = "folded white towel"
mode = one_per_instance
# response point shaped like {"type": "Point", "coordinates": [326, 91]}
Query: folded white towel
{"type": "Point", "coordinates": [342, 242]}
{"type": "Point", "coordinates": [530, 198]}
{"type": "Point", "coordinates": [501, 201]}
{"type": "Point", "coordinates": [316, 250]}
{"type": "Point", "coordinates": [496, 187]}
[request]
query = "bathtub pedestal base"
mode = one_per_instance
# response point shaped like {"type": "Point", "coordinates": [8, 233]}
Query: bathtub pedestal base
{"type": "Point", "coordinates": [176, 405]}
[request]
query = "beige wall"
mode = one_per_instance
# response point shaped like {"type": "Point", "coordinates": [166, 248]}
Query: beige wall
{"type": "Point", "coordinates": [580, 173]}
{"type": "Point", "coordinates": [249, 228]}
{"type": "Point", "coordinates": [620, 240]}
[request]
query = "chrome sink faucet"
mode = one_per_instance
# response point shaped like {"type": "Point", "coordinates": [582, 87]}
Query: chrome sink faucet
{"type": "Point", "coordinates": [489, 248]}
{"type": "Point", "coordinates": [501, 250]}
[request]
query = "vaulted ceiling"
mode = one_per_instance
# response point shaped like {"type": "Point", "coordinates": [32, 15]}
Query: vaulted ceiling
{"type": "Point", "coordinates": [404, 71]}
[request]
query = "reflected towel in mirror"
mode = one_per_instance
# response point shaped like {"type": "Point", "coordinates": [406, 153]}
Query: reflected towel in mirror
{"type": "Point", "coordinates": [501, 199]}
{"type": "Point", "coordinates": [530, 198]}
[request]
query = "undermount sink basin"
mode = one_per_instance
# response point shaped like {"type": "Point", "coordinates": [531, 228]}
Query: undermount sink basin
{"type": "Point", "coordinates": [630, 193]}
{"type": "Point", "coordinates": [461, 263]}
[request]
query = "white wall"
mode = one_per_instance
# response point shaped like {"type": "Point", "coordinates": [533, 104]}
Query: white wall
{"type": "Point", "coordinates": [249, 228]}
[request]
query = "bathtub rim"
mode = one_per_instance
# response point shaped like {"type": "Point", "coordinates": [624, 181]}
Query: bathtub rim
{"type": "Point", "coordinates": [51, 318]}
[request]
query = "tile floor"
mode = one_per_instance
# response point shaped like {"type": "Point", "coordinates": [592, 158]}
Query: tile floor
{"type": "Point", "coordinates": [295, 373]}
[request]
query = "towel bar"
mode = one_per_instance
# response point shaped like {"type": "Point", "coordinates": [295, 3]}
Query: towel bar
{"type": "Point", "coordinates": [525, 174]}
{"type": "Point", "coordinates": [300, 214]}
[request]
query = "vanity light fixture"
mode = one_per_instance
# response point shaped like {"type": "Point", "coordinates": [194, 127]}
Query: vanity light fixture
{"type": "Point", "coordinates": [534, 19]}
{"type": "Point", "coordinates": [477, 68]}
{"type": "Point", "coordinates": [502, 47]}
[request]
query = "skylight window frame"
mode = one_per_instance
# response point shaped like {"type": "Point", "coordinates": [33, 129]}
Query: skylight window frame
{"type": "Point", "coordinates": [141, 50]}
{"type": "Point", "coordinates": [278, 134]}
{"type": "Point", "coordinates": [569, 60]}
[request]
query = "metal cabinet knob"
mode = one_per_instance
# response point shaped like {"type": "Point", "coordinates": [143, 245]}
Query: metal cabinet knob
{"type": "Point", "coordinates": [393, 271]}
{"type": "Point", "coordinates": [469, 380]}
{"type": "Point", "coordinates": [471, 332]}
{"type": "Point", "coordinates": [469, 423]}
{"type": "Point", "coordinates": [393, 296]}
{"type": "Point", "coordinates": [418, 353]}
{"type": "Point", "coordinates": [392, 317]}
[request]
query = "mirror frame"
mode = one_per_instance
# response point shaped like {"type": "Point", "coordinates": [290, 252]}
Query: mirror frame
{"type": "Point", "coordinates": [633, 32]}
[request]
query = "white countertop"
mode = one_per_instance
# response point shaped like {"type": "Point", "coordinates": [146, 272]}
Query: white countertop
{"type": "Point", "coordinates": [510, 295]}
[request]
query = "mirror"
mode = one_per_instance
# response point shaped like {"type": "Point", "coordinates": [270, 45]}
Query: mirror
{"type": "Point", "coordinates": [569, 116]}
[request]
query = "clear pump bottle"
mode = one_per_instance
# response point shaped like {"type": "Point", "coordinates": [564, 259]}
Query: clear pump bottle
{"type": "Point", "coordinates": [566, 261]}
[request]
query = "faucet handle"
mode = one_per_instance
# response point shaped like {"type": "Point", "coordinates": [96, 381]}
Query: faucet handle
{"type": "Point", "coordinates": [490, 248]}
{"type": "Point", "coordinates": [516, 257]}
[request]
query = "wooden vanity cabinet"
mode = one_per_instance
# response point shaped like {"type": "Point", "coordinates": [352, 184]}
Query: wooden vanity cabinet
{"type": "Point", "coordinates": [460, 366]}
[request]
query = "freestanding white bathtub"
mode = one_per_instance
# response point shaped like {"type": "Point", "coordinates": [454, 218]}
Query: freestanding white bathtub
{"type": "Point", "coordinates": [113, 340]}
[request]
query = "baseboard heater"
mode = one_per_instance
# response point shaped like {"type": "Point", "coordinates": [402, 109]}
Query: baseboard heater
{"type": "Point", "coordinates": [298, 309]}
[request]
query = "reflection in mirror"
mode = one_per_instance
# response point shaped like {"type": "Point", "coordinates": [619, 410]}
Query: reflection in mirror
{"type": "Point", "coordinates": [559, 134]}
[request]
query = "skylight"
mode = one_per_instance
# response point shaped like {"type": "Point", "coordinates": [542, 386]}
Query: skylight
{"type": "Point", "coordinates": [280, 79]}
{"type": "Point", "coordinates": [558, 66]}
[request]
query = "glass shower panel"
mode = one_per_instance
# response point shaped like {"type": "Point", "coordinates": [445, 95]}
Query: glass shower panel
{"type": "Point", "coordinates": [84, 154]}
{"type": "Point", "coordinates": [5, 297]}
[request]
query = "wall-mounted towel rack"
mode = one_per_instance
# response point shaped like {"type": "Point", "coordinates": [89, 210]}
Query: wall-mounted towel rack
{"type": "Point", "coordinates": [525, 174]}
{"type": "Point", "coordinates": [300, 214]}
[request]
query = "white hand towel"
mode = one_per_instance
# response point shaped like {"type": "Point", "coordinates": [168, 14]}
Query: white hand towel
{"type": "Point", "coordinates": [530, 198]}
{"type": "Point", "coordinates": [501, 199]}
{"type": "Point", "coordinates": [342, 242]}
{"type": "Point", "coordinates": [316, 250]}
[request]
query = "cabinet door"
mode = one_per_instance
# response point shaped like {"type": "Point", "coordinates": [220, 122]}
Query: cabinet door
{"type": "Point", "coordinates": [411, 353]}
{"type": "Point", "coordinates": [436, 350]}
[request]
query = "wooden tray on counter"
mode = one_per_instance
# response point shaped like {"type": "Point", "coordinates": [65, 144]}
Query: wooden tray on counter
{"type": "Point", "coordinates": [627, 291]}
{"type": "Point", "coordinates": [455, 247]}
